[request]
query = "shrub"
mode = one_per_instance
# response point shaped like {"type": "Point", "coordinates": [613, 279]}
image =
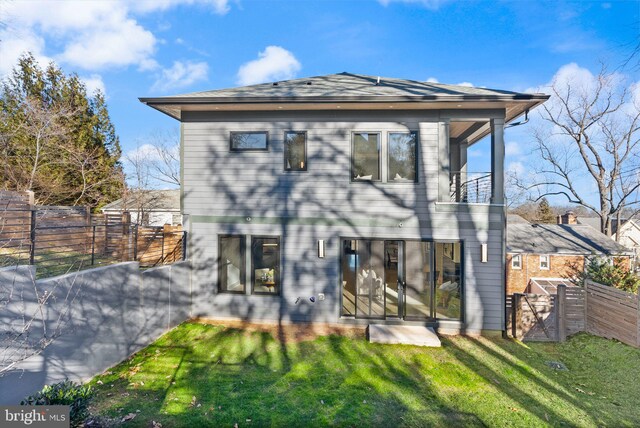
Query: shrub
{"type": "Point", "coordinates": [68, 393]}
{"type": "Point", "coordinates": [602, 272]}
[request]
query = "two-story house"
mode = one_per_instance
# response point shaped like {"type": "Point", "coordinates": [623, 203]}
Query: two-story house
{"type": "Point", "coordinates": [346, 199]}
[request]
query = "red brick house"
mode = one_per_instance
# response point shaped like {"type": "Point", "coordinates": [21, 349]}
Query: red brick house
{"type": "Point", "coordinates": [554, 250]}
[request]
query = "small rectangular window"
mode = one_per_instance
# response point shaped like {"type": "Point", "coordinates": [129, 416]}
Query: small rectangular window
{"type": "Point", "coordinates": [402, 157]}
{"type": "Point", "coordinates": [544, 262]}
{"type": "Point", "coordinates": [231, 264]}
{"type": "Point", "coordinates": [365, 157]}
{"type": "Point", "coordinates": [516, 261]}
{"type": "Point", "coordinates": [249, 141]}
{"type": "Point", "coordinates": [295, 151]}
{"type": "Point", "coordinates": [265, 265]}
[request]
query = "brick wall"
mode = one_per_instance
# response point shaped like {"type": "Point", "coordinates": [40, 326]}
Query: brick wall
{"type": "Point", "coordinates": [560, 267]}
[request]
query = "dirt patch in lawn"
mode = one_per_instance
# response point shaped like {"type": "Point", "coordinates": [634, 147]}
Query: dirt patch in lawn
{"type": "Point", "coordinates": [286, 333]}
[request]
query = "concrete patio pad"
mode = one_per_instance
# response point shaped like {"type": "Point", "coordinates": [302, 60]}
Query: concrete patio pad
{"type": "Point", "coordinates": [403, 334]}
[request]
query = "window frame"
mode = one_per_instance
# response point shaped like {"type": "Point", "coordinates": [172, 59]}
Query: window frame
{"type": "Point", "coordinates": [430, 320]}
{"type": "Point", "coordinates": [243, 271]}
{"type": "Point", "coordinates": [548, 267]}
{"type": "Point", "coordinates": [415, 166]}
{"type": "Point", "coordinates": [277, 274]}
{"type": "Point", "coordinates": [236, 149]}
{"type": "Point", "coordinates": [284, 151]}
{"type": "Point", "coordinates": [513, 258]}
{"type": "Point", "coordinates": [351, 159]}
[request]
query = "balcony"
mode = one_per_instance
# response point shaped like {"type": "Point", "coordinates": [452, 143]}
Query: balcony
{"type": "Point", "coordinates": [470, 187]}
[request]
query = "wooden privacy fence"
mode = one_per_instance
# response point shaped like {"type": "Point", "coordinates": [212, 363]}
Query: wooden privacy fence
{"type": "Point", "coordinates": [594, 308]}
{"type": "Point", "coordinates": [612, 313]}
{"type": "Point", "coordinates": [60, 239]}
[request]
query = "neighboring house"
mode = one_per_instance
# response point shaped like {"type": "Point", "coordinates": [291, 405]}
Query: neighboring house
{"type": "Point", "coordinates": [554, 251]}
{"type": "Point", "coordinates": [149, 207]}
{"type": "Point", "coordinates": [346, 199]}
{"type": "Point", "coordinates": [628, 234]}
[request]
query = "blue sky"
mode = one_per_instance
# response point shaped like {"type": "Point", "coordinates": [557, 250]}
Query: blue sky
{"type": "Point", "coordinates": [150, 48]}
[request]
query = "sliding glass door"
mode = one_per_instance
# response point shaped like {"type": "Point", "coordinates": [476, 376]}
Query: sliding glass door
{"type": "Point", "coordinates": [412, 280]}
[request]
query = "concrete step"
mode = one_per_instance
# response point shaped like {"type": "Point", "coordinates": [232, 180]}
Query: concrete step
{"type": "Point", "coordinates": [403, 334]}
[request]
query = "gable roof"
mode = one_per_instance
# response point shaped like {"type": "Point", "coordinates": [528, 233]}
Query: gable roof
{"type": "Point", "coordinates": [595, 223]}
{"type": "Point", "coordinates": [151, 200]}
{"type": "Point", "coordinates": [345, 84]}
{"type": "Point", "coordinates": [561, 239]}
{"type": "Point", "coordinates": [515, 218]}
{"type": "Point", "coordinates": [347, 91]}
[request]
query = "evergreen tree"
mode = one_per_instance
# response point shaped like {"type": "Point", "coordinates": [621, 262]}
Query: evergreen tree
{"type": "Point", "coordinates": [545, 214]}
{"type": "Point", "coordinates": [57, 140]}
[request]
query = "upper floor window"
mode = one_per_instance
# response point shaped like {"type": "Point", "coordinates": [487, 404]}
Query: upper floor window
{"type": "Point", "coordinates": [249, 141]}
{"type": "Point", "coordinates": [365, 156]}
{"type": "Point", "coordinates": [544, 262]}
{"type": "Point", "coordinates": [295, 151]}
{"type": "Point", "coordinates": [516, 261]}
{"type": "Point", "coordinates": [402, 156]}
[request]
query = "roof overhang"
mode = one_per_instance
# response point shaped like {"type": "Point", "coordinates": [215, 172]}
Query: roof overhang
{"type": "Point", "coordinates": [173, 106]}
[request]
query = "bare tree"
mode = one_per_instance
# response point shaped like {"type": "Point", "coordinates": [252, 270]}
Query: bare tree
{"type": "Point", "coordinates": [164, 159]}
{"type": "Point", "coordinates": [588, 143]}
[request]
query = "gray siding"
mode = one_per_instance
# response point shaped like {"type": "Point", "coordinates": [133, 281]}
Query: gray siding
{"type": "Point", "coordinates": [221, 189]}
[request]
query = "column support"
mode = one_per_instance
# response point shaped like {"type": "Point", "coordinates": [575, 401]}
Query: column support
{"type": "Point", "coordinates": [497, 161]}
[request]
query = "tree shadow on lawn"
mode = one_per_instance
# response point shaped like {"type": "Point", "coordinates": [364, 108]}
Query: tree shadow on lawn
{"type": "Point", "coordinates": [241, 377]}
{"type": "Point", "coordinates": [553, 397]}
{"type": "Point", "coordinates": [207, 375]}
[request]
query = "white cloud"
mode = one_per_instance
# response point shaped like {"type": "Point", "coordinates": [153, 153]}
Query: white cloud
{"type": "Point", "coordinates": [121, 43]}
{"type": "Point", "coordinates": [94, 83]}
{"type": "Point", "coordinates": [432, 80]}
{"type": "Point", "coordinates": [512, 149]}
{"type": "Point", "coordinates": [91, 35]}
{"type": "Point", "coordinates": [274, 63]}
{"type": "Point", "coordinates": [13, 45]}
{"type": "Point", "coordinates": [180, 75]}
{"type": "Point", "coordinates": [220, 7]}
{"type": "Point", "coordinates": [429, 4]}
{"type": "Point", "coordinates": [516, 168]}
{"type": "Point", "coordinates": [467, 84]}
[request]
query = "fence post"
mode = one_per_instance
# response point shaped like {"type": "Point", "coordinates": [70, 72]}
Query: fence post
{"type": "Point", "coordinates": [135, 242]}
{"type": "Point", "coordinates": [164, 232]}
{"type": "Point", "coordinates": [126, 220]}
{"type": "Point", "coordinates": [184, 255]}
{"type": "Point", "coordinates": [516, 322]}
{"type": "Point", "coordinates": [32, 237]}
{"type": "Point", "coordinates": [561, 313]}
{"type": "Point", "coordinates": [93, 245]}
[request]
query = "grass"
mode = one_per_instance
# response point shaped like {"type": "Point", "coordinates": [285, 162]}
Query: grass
{"type": "Point", "coordinates": [206, 375]}
{"type": "Point", "coordinates": [54, 262]}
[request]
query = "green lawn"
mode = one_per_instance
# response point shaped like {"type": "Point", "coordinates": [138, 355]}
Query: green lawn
{"type": "Point", "coordinates": [204, 375]}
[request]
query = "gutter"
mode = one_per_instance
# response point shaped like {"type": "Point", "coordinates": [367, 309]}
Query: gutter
{"type": "Point", "coordinates": [334, 99]}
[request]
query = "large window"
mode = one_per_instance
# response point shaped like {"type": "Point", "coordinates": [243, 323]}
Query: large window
{"type": "Point", "coordinates": [448, 280]}
{"type": "Point", "coordinates": [265, 265]}
{"type": "Point", "coordinates": [365, 160]}
{"type": "Point", "coordinates": [241, 141]}
{"type": "Point", "coordinates": [409, 279]}
{"type": "Point", "coordinates": [231, 264]}
{"type": "Point", "coordinates": [402, 156]}
{"type": "Point", "coordinates": [295, 151]}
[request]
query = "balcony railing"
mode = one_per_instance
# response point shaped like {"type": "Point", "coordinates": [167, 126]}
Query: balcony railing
{"type": "Point", "coordinates": [470, 187]}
